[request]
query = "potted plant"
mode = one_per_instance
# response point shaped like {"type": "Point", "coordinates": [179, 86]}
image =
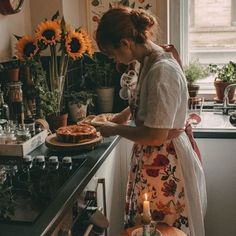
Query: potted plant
{"type": "Point", "coordinates": [11, 70]}
{"type": "Point", "coordinates": [78, 102]}
{"type": "Point", "coordinates": [63, 44]}
{"type": "Point", "coordinates": [224, 75]}
{"type": "Point", "coordinates": [99, 74]}
{"type": "Point", "coordinates": [194, 72]}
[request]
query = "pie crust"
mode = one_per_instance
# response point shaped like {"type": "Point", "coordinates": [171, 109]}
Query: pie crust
{"type": "Point", "coordinates": [76, 133]}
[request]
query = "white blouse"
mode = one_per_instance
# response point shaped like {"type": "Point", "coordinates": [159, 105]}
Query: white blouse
{"type": "Point", "coordinates": [163, 95]}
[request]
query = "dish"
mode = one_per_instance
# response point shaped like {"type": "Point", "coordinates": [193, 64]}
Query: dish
{"type": "Point", "coordinates": [139, 232]}
{"type": "Point", "coordinates": [87, 119]}
{"type": "Point", "coordinates": [101, 119]}
{"type": "Point", "coordinates": [52, 142]}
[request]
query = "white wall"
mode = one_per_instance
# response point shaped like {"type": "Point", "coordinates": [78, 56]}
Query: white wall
{"type": "Point", "coordinates": [34, 11]}
{"type": "Point", "coordinates": [18, 24]}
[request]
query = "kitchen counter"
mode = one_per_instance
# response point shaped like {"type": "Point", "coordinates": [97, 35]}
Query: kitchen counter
{"type": "Point", "coordinates": [214, 125]}
{"type": "Point", "coordinates": [211, 126]}
{"type": "Point", "coordinates": [47, 221]}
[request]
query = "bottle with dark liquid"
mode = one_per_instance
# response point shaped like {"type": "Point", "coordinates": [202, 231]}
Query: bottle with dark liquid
{"type": "Point", "coordinates": [4, 108]}
{"type": "Point", "coordinates": [16, 101]}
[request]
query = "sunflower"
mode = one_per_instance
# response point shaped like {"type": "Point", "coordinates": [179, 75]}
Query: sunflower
{"type": "Point", "coordinates": [26, 48]}
{"type": "Point", "coordinates": [49, 32]}
{"type": "Point", "coordinates": [87, 42]}
{"type": "Point", "coordinates": [75, 45]}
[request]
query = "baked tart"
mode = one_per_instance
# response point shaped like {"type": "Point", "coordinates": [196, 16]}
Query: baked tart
{"type": "Point", "coordinates": [78, 133]}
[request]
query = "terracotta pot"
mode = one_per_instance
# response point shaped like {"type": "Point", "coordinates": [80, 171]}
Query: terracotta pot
{"type": "Point", "coordinates": [220, 88]}
{"type": "Point", "coordinates": [193, 90]}
{"type": "Point", "coordinates": [56, 121]}
{"type": "Point", "coordinates": [105, 98]}
{"type": "Point", "coordinates": [13, 75]}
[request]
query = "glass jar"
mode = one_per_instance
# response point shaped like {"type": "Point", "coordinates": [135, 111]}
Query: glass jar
{"type": "Point", "coordinates": [30, 124]}
{"type": "Point", "coordinates": [22, 134]}
{"type": "Point", "coordinates": [9, 136]}
{"type": "Point", "coordinates": [16, 101]}
{"type": "Point", "coordinates": [15, 92]}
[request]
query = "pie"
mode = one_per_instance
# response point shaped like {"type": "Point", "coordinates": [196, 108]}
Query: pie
{"type": "Point", "coordinates": [78, 133]}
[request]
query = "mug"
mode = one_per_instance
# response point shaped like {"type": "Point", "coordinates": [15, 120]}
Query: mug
{"type": "Point", "coordinates": [129, 79]}
{"type": "Point", "coordinates": [124, 93]}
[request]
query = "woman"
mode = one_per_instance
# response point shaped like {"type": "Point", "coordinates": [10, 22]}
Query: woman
{"type": "Point", "coordinates": [163, 163]}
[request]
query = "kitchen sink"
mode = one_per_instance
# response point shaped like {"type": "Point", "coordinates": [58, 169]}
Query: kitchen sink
{"type": "Point", "coordinates": [213, 119]}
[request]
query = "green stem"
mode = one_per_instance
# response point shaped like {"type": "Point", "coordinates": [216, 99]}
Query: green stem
{"type": "Point", "coordinates": [53, 68]}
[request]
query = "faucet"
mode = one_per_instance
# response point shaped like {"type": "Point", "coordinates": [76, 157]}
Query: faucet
{"type": "Point", "coordinates": [226, 105]}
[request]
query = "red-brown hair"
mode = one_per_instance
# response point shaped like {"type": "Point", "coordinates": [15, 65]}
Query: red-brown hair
{"type": "Point", "coordinates": [124, 22]}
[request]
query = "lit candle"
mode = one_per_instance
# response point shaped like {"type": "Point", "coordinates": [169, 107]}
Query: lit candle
{"type": "Point", "coordinates": [146, 210]}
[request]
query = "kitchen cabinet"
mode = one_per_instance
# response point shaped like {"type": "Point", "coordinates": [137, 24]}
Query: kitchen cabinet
{"type": "Point", "coordinates": [114, 171]}
{"type": "Point", "coordinates": [219, 163]}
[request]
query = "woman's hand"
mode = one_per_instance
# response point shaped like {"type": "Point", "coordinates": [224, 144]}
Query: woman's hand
{"type": "Point", "coordinates": [108, 129]}
{"type": "Point", "coordinates": [122, 117]}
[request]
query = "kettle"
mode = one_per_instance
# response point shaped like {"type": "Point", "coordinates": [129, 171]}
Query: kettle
{"type": "Point", "coordinates": [232, 118]}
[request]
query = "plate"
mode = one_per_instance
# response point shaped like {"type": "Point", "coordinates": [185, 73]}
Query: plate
{"type": "Point", "coordinates": [52, 142]}
{"type": "Point", "coordinates": [101, 119]}
{"type": "Point", "coordinates": [139, 232]}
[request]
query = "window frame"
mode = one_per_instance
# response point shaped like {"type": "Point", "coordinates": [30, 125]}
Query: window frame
{"type": "Point", "coordinates": [178, 35]}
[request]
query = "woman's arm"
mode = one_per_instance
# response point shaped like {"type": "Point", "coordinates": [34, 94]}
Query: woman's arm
{"type": "Point", "coordinates": [122, 117]}
{"type": "Point", "coordinates": [141, 134]}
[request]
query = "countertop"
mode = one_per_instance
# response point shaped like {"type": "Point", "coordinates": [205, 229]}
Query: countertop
{"type": "Point", "coordinates": [211, 126]}
{"type": "Point", "coordinates": [214, 125]}
{"type": "Point", "coordinates": [48, 220]}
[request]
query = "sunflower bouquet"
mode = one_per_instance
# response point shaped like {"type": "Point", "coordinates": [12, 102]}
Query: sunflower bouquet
{"type": "Point", "coordinates": [63, 44]}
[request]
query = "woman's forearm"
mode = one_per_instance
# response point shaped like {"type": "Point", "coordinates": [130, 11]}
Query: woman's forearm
{"type": "Point", "coordinates": [142, 134]}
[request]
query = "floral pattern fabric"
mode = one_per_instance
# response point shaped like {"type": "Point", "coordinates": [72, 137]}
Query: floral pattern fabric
{"type": "Point", "coordinates": [156, 171]}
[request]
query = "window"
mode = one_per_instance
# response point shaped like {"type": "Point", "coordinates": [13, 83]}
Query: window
{"type": "Point", "coordinates": [204, 29]}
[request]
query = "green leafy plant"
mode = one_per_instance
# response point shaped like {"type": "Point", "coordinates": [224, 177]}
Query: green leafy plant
{"type": "Point", "coordinates": [195, 71]}
{"type": "Point", "coordinates": [99, 72]}
{"type": "Point", "coordinates": [84, 97]}
{"type": "Point", "coordinates": [225, 73]}
{"type": "Point", "coordinates": [46, 100]}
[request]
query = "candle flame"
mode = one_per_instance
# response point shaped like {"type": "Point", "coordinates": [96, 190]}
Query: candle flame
{"type": "Point", "coordinates": [145, 195]}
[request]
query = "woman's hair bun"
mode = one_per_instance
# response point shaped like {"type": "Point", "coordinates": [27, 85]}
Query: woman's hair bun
{"type": "Point", "coordinates": [142, 20]}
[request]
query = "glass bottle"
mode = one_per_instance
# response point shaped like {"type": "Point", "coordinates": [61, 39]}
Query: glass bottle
{"type": "Point", "coordinates": [4, 108]}
{"type": "Point", "coordinates": [16, 101]}
{"type": "Point", "coordinates": [29, 92]}
{"type": "Point", "coordinates": [30, 124]}
{"type": "Point", "coordinates": [66, 168]}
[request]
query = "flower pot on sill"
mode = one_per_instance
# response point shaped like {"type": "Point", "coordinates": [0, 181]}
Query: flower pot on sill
{"type": "Point", "coordinates": [56, 121]}
{"type": "Point", "coordinates": [220, 88]}
{"type": "Point", "coordinates": [193, 90]}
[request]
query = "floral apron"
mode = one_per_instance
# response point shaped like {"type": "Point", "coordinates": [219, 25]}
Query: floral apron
{"type": "Point", "coordinates": [155, 171]}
